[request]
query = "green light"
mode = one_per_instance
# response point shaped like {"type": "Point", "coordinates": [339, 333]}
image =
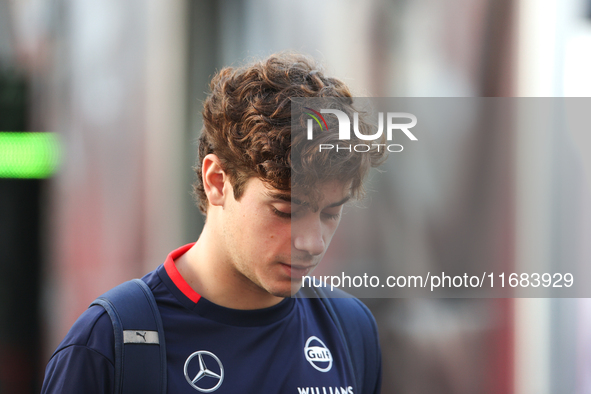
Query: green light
{"type": "Point", "coordinates": [28, 155]}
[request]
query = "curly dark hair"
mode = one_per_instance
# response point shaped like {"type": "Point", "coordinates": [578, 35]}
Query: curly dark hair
{"type": "Point", "coordinates": [247, 124]}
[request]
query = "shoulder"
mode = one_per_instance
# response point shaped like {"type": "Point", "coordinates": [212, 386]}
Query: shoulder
{"type": "Point", "coordinates": [84, 360]}
{"type": "Point", "coordinates": [348, 312]}
{"type": "Point", "coordinates": [93, 330]}
{"type": "Point", "coordinates": [351, 310]}
{"type": "Point", "coordinates": [344, 304]}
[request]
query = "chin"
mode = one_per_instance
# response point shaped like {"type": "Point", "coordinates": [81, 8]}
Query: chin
{"type": "Point", "coordinates": [286, 291]}
{"type": "Point", "coordinates": [282, 294]}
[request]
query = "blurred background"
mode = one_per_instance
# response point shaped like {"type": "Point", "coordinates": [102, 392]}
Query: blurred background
{"type": "Point", "coordinates": [105, 97]}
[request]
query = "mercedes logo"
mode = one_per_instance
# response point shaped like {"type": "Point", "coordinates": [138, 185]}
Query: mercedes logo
{"type": "Point", "coordinates": [206, 380]}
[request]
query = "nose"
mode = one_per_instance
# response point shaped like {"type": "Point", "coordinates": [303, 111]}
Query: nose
{"type": "Point", "coordinates": [308, 236]}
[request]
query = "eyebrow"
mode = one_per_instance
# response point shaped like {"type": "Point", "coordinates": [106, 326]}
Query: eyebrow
{"type": "Point", "coordinates": [287, 198]}
{"type": "Point", "coordinates": [293, 200]}
{"type": "Point", "coordinates": [338, 203]}
{"type": "Point", "coordinates": [282, 196]}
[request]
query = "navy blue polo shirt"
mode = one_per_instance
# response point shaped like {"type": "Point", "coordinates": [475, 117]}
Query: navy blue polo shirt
{"type": "Point", "coordinates": [291, 347]}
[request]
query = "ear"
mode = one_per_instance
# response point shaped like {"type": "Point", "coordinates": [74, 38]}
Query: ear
{"type": "Point", "coordinates": [214, 178]}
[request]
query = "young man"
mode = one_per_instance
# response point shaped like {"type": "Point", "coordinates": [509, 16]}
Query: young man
{"type": "Point", "coordinates": [229, 320]}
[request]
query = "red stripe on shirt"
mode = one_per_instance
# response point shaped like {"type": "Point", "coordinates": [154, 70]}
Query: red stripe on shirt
{"type": "Point", "coordinates": [175, 275]}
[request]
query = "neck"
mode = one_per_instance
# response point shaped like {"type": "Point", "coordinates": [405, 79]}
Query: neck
{"type": "Point", "coordinates": [211, 273]}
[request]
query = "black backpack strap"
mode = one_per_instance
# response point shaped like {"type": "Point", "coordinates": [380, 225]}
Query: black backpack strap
{"type": "Point", "coordinates": [358, 329]}
{"type": "Point", "coordinates": [140, 352]}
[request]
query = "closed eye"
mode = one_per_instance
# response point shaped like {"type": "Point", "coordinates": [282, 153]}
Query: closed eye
{"type": "Point", "coordinates": [281, 214]}
{"type": "Point", "coordinates": [331, 216]}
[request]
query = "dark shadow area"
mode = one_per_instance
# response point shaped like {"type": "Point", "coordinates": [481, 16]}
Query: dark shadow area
{"type": "Point", "coordinates": [20, 257]}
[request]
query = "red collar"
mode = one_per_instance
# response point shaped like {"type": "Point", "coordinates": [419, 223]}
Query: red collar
{"type": "Point", "coordinates": [175, 275]}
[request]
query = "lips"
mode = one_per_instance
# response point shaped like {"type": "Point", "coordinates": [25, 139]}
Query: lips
{"type": "Point", "coordinates": [297, 271]}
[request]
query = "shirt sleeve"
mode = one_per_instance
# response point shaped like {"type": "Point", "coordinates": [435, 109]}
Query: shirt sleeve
{"type": "Point", "coordinates": [84, 361]}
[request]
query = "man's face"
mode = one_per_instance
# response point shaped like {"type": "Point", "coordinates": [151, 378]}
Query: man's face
{"type": "Point", "coordinates": [273, 239]}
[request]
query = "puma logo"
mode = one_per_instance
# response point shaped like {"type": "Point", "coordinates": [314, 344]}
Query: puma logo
{"type": "Point", "coordinates": [141, 334]}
